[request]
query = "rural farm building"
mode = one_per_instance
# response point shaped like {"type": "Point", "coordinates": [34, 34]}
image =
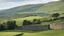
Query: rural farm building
{"type": "Point", "coordinates": [57, 26]}
{"type": "Point", "coordinates": [35, 28]}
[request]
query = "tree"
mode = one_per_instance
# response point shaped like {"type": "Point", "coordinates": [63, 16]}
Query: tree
{"type": "Point", "coordinates": [55, 15]}
{"type": "Point", "coordinates": [4, 24]}
{"type": "Point", "coordinates": [38, 21]}
{"type": "Point", "coordinates": [34, 21]}
{"type": "Point", "coordinates": [11, 25]}
{"type": "Point", "coordinates": [14, 24]}
{"type": "Point", "coordinates": [1, 27]}
{"type": "Point", "coordinates": [25, 22]}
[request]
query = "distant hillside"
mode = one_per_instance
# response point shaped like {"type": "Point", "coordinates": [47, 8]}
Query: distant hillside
{"type": "Point", "coordinates": [52, 7]}
{"type": "Point", "coordinates": [25, 8]}
{"type": "Point", "coordinates": [33, 9]}
{"type": "Point", "coordinates": [49, 7]}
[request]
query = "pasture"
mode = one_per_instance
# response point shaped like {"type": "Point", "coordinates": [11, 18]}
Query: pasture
{"type": "Point", "coordinates": [33, 33]}
{"type": "Point", "coordinates": [20, 20]}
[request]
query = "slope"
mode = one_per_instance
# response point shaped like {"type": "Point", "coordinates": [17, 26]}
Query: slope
{"type": "Point", "coordinates": [25, 8]}
{"type": "Point", "coordinates": [49, 7]}
{"type": "Point", "coordinates": [33, 9]}
{"type": "Point", "coordinates": [52, 7]}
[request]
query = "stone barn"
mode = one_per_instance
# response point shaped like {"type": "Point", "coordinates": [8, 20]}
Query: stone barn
{"type": "Point", "coordinates": [57, 26]}
{"type": "Point", "coordinates": [34, 28]}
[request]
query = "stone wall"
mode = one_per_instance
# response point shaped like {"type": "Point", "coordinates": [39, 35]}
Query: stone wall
{"type": "Point", "coordinates": [35, 28]}
{"type": "Point", "coordinates": [57, 26]}
{"type": "Point", "coordinates": [42, 27]}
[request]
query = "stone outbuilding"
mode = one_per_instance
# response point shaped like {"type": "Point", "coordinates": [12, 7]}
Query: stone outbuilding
{"type": "Point", "coordinates": [57, 26]}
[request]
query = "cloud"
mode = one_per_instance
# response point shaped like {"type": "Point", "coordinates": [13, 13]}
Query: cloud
{"type": "Point", "coordinates": [24, 0]}
{"type": "Point", "coordinates": [6, 4]}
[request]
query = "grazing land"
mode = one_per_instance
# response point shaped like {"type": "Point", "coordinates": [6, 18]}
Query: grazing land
{"type": "Point", "coordinates": [34, 11]}
{"type": "Point", "coordinates": [31, 33]}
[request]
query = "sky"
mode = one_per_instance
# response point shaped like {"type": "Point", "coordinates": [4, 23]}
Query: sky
{"type": "Point", "coordinates": [6, 4]}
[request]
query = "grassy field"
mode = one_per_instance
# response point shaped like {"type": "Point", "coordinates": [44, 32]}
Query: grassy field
{"type": "Point", "coordinates": [42, 11]}
{"type": "Point", "coordinates": [34, 9]}
{"type": "Point", "coordinates": [41, 33]}
{"type": "Point", "coordinates": [30, 18]}
{"type": "Point", "coordinates": [20, 20]}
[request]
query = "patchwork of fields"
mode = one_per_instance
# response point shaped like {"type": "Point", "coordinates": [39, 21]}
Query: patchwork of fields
{"type": "Point", "coordinates": [30, 12]}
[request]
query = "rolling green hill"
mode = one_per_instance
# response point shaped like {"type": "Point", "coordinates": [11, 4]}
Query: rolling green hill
{"type": "Point", "coordinates": [33, 9]}
{"type": "Point", "coordinates": [42, 11]}
{"type": "Point", "coordinates": [25, 8]}
{"type": "Point", "coordinates": [48, 7]}
{"type": "Point", "coordinates": [52, 7]}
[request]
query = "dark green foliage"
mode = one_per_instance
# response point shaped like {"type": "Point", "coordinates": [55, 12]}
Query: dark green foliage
{"type": "Point", "coordinates": [34, 21]}
{"type": "Point", "coordinates": [49, 20]}
{"type": "Point", "coordinates": [55, 15]}
{"type": "Point", "coordinates": [1, 27]}
{"type": "Point", "coordinates": [38, 21]}
{"type": "Point", "coordinates": [25, 22]}
{"type": "Point", "coordinates": [61, 18]}
{"type": "Point", "coordinates": [55, 19]}
{"type": "Point", "coordinates": [58, 18]}
{"type": "Point", "coordinates": [29, 22]}
{"type": "Point", "coordinates": [4, 24]}
{"type": "Point", "coordinates": [11, 25]}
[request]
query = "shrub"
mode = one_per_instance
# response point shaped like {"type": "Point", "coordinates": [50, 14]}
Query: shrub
{"type": "Point", "coordinates": [55, 15]}
{"type": "Point", "coordinates": [1, 27]}
{"type": "Point", "coordinates": [11, 25]}
{"type": "Point", "coordinates": [38, 21]}
{"type": "Point", "coordinates": [25, 22]}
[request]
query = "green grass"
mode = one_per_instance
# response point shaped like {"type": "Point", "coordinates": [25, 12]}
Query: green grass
{"type": "Point", "coordinates": [8, 33]}
{"type": "Point", "coordinates": [30, 18]}
{"type": "Point", "coordinates": [45, 9]}
{"type": "Point", "coordinates": [21, 11]}
{"type": "Point", "coordinates": [20, 20]}
{"type": "Point", "coordinates": [41, 33]}
{"type": "Point", "coordinates": [52, 7]}
{"type": "Point", "coordinates": [49, 8]}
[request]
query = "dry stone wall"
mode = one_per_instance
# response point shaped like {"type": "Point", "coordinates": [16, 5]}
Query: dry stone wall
{"type": "Point", "coordinates": [42, 27]}
{"type": "Point", "coordinates": [35, 28]}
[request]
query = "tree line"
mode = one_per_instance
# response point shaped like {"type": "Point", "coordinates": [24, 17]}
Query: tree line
{"type": "Point", "coordinates": [35, 21]}
{"type": "Point", "coordinates": [38, 21]}
{"type": "Point", "coordinates": [9, 25]}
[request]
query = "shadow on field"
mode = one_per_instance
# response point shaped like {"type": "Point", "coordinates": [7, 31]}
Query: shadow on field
{"type": "Point", "coordinates": [34, 31]}
{"type": "Point", "coordinates": [21, 34]}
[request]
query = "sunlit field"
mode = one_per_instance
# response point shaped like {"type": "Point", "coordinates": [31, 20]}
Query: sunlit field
{"type": "Point", "coordinates": [40, 33]}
